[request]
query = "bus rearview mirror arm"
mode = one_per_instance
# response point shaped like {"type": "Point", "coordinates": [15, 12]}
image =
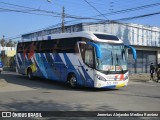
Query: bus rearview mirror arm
{"type": "Point", "coordinates": [133, 51]}
{"type": "Point", "coordinates": [96, 46]}
{"type": "Point", "coordinates": [98, 50]}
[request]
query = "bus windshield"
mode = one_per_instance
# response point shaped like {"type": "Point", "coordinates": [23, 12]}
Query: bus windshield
{"type": "Point", "coordinates": [113, 57]}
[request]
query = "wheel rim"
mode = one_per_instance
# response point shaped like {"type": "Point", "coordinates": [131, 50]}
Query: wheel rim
{"type": "Point", "coordinates": [73, 81]}
{"type": "Point", "coordinates": [29, 74]}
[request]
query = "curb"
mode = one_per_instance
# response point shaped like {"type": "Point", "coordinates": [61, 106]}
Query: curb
{"type": "Point", "coordinates": [3, 83]}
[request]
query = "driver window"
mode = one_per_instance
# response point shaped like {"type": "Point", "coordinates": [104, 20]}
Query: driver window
{"type": "Point", "coordinates": [87, 54]}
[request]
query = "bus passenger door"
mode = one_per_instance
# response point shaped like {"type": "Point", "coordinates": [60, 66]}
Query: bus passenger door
{"type": "Point", "coordinates": [22, 63]}
{"type": "Point", "coordinates": [63, 71]}
{"type": "Point", "coordinates": [87, 63]}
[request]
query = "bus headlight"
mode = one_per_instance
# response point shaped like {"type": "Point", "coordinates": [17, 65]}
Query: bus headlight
{"type": "Point", "coordinates": [100, 78]}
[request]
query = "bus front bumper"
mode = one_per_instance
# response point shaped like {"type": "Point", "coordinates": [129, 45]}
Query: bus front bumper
{"type": "Point", "coordinates": [111, 84]}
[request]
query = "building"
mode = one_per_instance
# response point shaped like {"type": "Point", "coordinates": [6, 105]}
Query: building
{"type": "Point", "coordinates": [7, 56]}
{"type": "Point", "coordinates": [146, 40]}
{"type": "Point", "coordinates": [7, 51]}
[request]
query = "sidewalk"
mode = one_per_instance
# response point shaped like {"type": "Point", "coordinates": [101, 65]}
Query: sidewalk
{"type": "Point", "coordinates": [3, 83]}
{"type": "Point", "coordinates": [141, 77]}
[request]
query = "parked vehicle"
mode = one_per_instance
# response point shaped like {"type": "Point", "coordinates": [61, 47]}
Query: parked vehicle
{"type": "Point", "coordinates": [1, 66]}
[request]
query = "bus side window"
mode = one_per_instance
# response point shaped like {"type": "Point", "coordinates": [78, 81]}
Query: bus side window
{"type": "Point", "coordinates": [38, 46]}
{"type": "Point", "coordinates": [87, 54]}
{"type": "Point", "coordinates": [76, 48]}
{"type": "Point", "coordinates": [81, 46]}
{"type": "Point", "coordinates": [89, 57]}
{"type": "Point", "coordinates": [20, 47]}
{"type": "Point", "coordinates": [47, 46]}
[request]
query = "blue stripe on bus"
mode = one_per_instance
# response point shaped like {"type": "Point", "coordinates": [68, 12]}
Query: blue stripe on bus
{"type": "Point", "coordinates": [20, 57]}
{"type": "Point", "coordinates": [51, 72]}
{"type": "Point", "coordinates": [57, 58]}
{"type": "Point", "coordinates": [89, 80]}
{"type": "Point", "coordinates": [109, 87]}
{"type": "Point", "coordinates": [41, 65]}
{"type": "Point", "coordinates": [82, 78]}
{"type": "Point", "coordinates": [72, 69]}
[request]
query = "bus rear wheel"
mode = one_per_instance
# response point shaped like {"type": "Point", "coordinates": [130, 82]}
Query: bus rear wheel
{"type": "Point", "coordinates": [29, 73]}
{"type": "Point", "coordinates": [72, 81]}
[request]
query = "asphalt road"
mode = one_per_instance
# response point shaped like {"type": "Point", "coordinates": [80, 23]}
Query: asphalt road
{"type": "Point", "coordinates": [17, 93]}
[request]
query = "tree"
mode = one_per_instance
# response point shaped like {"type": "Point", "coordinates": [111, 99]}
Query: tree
{"type": "Point", "coordinates": [3, 42]}
{"type": "Point", "coordinates": [9, 44]}
{"type": "Point", "coordinates": [14, 44]}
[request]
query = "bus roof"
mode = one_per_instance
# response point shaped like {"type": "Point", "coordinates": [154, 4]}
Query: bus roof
{"type": "Point", "coordinates": [95, 36]}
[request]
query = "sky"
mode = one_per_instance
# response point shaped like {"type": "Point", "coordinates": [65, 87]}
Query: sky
{"type": "Point", "coordinates": [18, 17]}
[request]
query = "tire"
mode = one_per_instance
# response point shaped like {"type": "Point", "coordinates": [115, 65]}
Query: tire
{"type": "Point", "coordinates": [29, 74]}
{"type": "Point", "coordinates": [72, 81]}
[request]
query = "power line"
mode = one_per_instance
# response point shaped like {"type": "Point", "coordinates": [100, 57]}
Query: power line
{"type": "Point", "coordinates": [59, 15]}
{"type": "Point", "coordinates": [136, 17]}
{"type": "Point", "coordinates": [31, 12]}
{"type": "Point", "coordinates": [81, 18]}
{"type": "Point", "coordinates": [42, 29]}
{"type": "Point", "coordinates": [130, 9]}
{"type": "Point", "coordinates": [47, 13]}
{"type": "Point", "coordinates": [59, 24]}
{"type": "Point", "coordinates": [30, 8]}
{"type": "Point", "coordinates": [122, 3]}
{"type": "Point", "coordinates": [16, 5]}
{"type": "Point", "coordinates": [96, 9]}
{"type": "Point", "coordinates": [28, 12]}
{"type": "Point", "coordinates": [106, 5]}
{"type": "Point", "coordinates": [113, 21]}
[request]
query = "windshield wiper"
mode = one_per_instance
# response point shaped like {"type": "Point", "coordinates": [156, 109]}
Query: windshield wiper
{"type": "Point", "coordinates": [118, 61]}
{"type": "Point", "coordinates": [112, 57]}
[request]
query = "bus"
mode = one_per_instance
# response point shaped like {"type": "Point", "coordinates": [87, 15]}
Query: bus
{"type": "Point", "coordinates": [90, 59]}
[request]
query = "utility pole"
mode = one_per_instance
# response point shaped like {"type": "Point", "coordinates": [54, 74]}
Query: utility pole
{"type": "Point", "coordinates": [63, 16]}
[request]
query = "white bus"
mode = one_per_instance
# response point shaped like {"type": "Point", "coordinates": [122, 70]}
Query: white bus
{"type": "Point", "coordinates": [80, 58]}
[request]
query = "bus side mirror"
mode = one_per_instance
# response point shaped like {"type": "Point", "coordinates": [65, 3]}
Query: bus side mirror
{"type": "Point", "coordinates": [133, 51]}
{"type": "Point", "coordinates": [98, 50]}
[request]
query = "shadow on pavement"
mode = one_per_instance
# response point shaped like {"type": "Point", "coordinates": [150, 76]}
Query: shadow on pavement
{"type": "Point", "coordinates": [36, 83]}
{"type": "Point", "coordinates": [52, 106]}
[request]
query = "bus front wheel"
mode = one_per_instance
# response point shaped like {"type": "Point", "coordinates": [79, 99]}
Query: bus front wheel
{"type": "Point", "coordinates": [72, 81]}
{"type": "Point", "coordinates": [29, 73]}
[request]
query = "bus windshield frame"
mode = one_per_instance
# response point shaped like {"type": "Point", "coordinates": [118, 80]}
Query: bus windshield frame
{"type": "Point", "coordinates": [113, 59]}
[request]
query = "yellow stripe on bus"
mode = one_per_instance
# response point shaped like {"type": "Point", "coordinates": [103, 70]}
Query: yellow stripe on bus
{"type": "Point", "coordinates": [33, 67]}
{"type": "Point", "coordinates": [120, 85]}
